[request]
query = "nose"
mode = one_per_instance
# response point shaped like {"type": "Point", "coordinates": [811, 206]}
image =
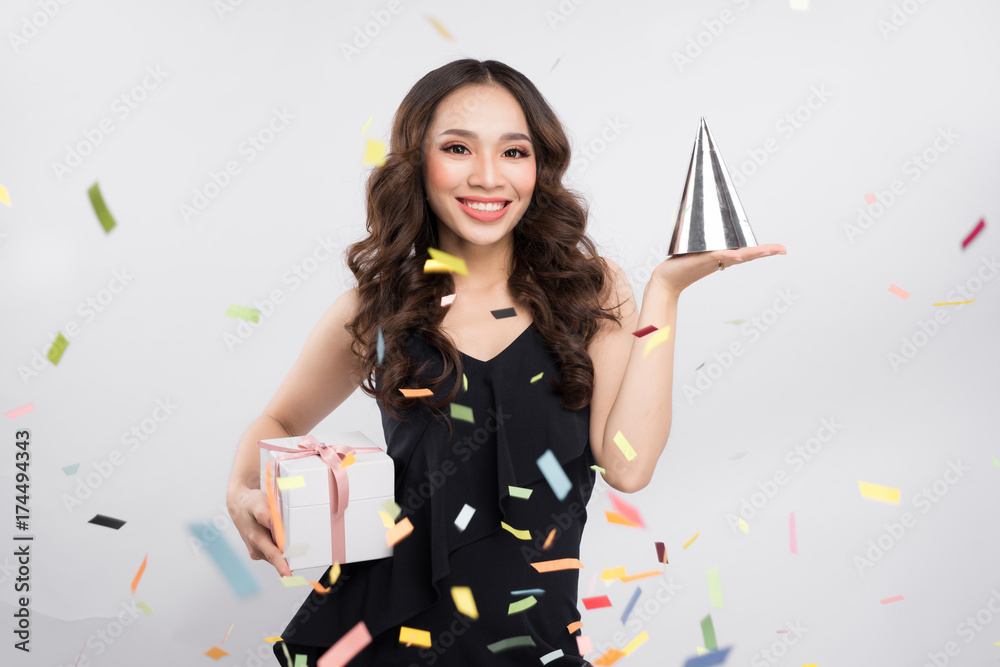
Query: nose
{"type": "Point", "coordinates": [486, 172]}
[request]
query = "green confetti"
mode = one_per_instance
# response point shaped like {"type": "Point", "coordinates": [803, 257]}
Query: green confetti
{"type": "Point", "coordinates": [462, 412]}
{"type": "Point", "coordinates": [145, 608]}
{"type": "Point", "coordinates": [100, 208]}
{"type": "Point", "coordinates": [734, 322]}
{"type": "Point", "coordinates": [301, 660]}
{"type": "Point", "coordinates": [708, 633]}
{"type": "Point", "coordinates": [521, 605]}
{"type": "Point", "coordinates": [537, 377]}
{"type": "Point", "coordinates": [71, 469]}
{"type": "Point", "coordinates": [57, 349]}
{"type": "Point", "coordinates": [715, 588]}
{"type": "Point", "coordinates": [391, 508]}
{"type": "Point", "coordinates": [465, 383]}
{"type": "Point", "coordinates": [599, 469]}
{"type": "Point", "coordinates": [996, 462]}
{"type": "Point", "coordinates": [511, 642]}
{"type": "Point", "coordinates": [244, 313]}
{"type": "Point", "coordinates": [519, 492]}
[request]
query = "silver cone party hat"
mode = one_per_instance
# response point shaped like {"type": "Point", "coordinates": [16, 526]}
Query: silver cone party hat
{"type": "Point", "coordinates": [710, 215]}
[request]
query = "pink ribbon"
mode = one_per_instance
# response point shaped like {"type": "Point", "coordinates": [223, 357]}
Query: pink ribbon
{"type": "Point", "coordinates": [340, 485]}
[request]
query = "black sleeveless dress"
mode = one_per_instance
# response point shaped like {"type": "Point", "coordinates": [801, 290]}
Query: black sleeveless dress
{"type": "Point", "coordinates": [436, 475]}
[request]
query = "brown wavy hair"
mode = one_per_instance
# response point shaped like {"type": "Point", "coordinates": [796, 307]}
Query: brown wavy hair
{"type": "Point", "coordinates": [563, 287]}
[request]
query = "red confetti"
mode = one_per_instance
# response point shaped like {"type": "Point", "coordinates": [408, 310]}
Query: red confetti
{"type": "Point", "coordinates": [596, 602]}
{"type": "Point", "coordinates": [643, 331]}
{"type": "Point", "coordinates": [979, 228]}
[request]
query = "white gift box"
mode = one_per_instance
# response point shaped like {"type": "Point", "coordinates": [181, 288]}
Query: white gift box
{"type": "Point", "coordinates": [305, 510]}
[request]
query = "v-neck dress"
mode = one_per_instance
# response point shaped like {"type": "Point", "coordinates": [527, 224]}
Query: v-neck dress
{"type": "Point", "coordinates": [479, 473]}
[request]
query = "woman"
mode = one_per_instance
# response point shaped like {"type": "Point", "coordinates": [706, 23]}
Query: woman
{"type": "Point", "coordinates": [475, 170]}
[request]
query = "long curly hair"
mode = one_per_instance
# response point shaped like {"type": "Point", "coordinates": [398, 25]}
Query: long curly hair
{"type": "Point", "coordinates": [556, 269]}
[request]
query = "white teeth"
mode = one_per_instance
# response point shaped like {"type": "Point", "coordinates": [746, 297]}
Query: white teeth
{"type": "Point", "coordinates": [480, 206]}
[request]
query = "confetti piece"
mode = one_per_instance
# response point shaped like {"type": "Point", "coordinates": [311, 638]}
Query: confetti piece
{"type": "Point", "coordinates": [879, 492]}
{"type": "Point", "coordinates": [107, 521]}
{"type": "Point", "coordinates": [334, 573]}
{"type": "Point", "coordinates": [455, 264]}
{"type": "Point", "coordinates": [661, 552]}
{"type": "Point", "coordinates": [71, 469]}
{"type": "Point", "coordinates": [100, 208]}
{"type": "Point", "coordinates": [391, 508]}
{"type": "Point", "coordinates": [380, 346]}
{"type": "Point", "coordinates": [744, 526]}
{"type": "Point", "coordinates": [812, 664]}
{"type": "Point", "coordinates": [537, 377]}
{"type": "Point", "coordinates": [411, 636]}
{"type": "Point", "coordinates": [293, 581]}
{"type": "Point", "coordinates": [215, 653]}
{"type": "Point", "coordinates": [447, 300]}
{"type": "Point", "coordinates": [631, 604]}
{"type": "Point", "coordinates": [729, 322]}
{"type": "Point", "coordinates": [296, 482]}
{"type": "Point", "coordinates": [641, 575]}
{"type": "Point", "coordinates": [610, 657]}
{"type": "Point", "coordinates": [974, 232]}
{"type": "Point", "coordinates": [658, 337]}
{"type": "Point", "coordinates": [510, 642]}
{"type": "Point", "coordinates": [4, 195]}
{"type": "Point", "coordinates": [548, 540]}
{"type": "Point", "coordinates": [145, 608]}
{"type": "Point", "coordinates": [348, 461]}
{"type": "Point", "coordinates": [529, 591]}
{"type": "Point", "coordinates": [503, 312]}
{"type": "Point", "coordinates": [318, 587]}
{"type": "Point", "coordinates": [598, 469]}
{"type": "Point", "coordinates": [519, 534]}
{"type": "Point", "coordinates": [644, 331]}
{"type": "Point", "coordinates": [615, 517]}
{"type": "Point", "coordinates": [288, 657]}
{"type": "Point", "coordinates": [365, 128]}
{"type": "Point", "coordinates": [574, 626]}
{"type": "Point", "coordinates": [612, 573]}
{"type": "Point", "coordinates": [444, 33]}
{"type": "Point", "coordinates": [549, 657]}
{"type": "Point", "coordinates": [243, 313]}
{"type": "Point", "coordinates": [462, 412]}
{"type": "Point", "coordinates": [624, 445]}
{"type": "Point", "coordinates": [416, 393]}
{"type": "Point", "coordinates": [896, 598]}
{"type": "Point", "coordinates": [636, 643]}
{"type": "Point", "coordinates": [434, 266]}
{"type": "Point", "coordinates": [709, 659]}
{"type": "Point", "coordinates": [519, 492]}
{"type": "Point", "coordinates": [597, 602]}
{"type": "Point", "coordinates": [793, 542]}
{"type": "Point", "coordinates": [951, 303]}
{"type": "Point", "coordinates": [346, 647]}
{"type": "Point", "coordinates": [626, 510]}
{"type": "Point", "coordinates": [465, 383]}
{"type": "Point", "coordinates": [869, 198]}
{"type": "Point", "coordinates": [374, 153]}
{"type": "Point", "coordinates": [520, 605]}
{"type": "Point", "coordinates": [715, 588]}
{"type": "Point", "coordinates": [554, 474]}
{"type": "Point", "coordinates": [688, 543]}
{"type": "Point", "coordinates": [708, 633]}
{"type": "Point", "coordinates": [555, 63]}
{"type": "Point", "coordinates": [899, 291]}
{"type": "Point", "coordinates": [23, 410]}
{"type": "Point", "coordinates": [462, 521]}
{"type": "Point", "coordinates": [138, 575]}
{"type": "Point", "coordinates": [996, 462]}
{"type": "Point", "coordinates": [58, 347]}
{"type": "Point", "coordinates": [464, 602]}
{"type": "Point", "coordinates": [227, 634]}
{"type": "Point", "coordinates": [293, 550]}
{"type": "Point", "coordinates": [271, 640]}
{"type": "Point", "coordinates": [232, 566]}
{"type": "Point", "coordinates": [277, 527]}
{"type": "Point", "coordinates": [558, 564]}
{"type": "Point", "coordinates": [398, 532]}
{"type": "Point", "coordinates": [301, 660]}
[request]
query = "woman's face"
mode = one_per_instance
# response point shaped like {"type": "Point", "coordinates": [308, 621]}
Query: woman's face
{"type": "Point", "coordinates": [478, 153]}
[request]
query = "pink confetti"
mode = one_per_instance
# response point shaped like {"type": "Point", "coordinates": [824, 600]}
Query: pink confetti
{"type": "Point", "coordinates": [793, 542]}
{"type": "Point", "coordinates": [972, 235]}
{"type": "Point", "coordinates": [870, 198]}
{"type": "Point", "coordinates": [346, 647]}
{"type": "Point", "coordinates": [23, 410]}
{"type": "Point", "coordinates": [899, 291]}
{"type": "Point", "coordinates": [626, 510]}
{"type": "Point", "coordinates": [446, 300]}
{"type": "Point", "coordinates": [897, 598]}
{"type": "Point", "coordinates": [583, 645]}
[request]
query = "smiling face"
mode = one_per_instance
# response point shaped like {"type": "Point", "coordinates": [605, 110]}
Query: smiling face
{"type": "Point", "coordinates": [479, 166]}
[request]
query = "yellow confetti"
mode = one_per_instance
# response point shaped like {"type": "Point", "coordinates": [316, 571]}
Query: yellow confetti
{"type": "Point", "coordinates": [655, 339]}
{"type": "Point", "coordinates": [521, 605]}
{"type": "Point", "coordinates": [375, 152]}
{"type": "Point", "coordinates": [636, 643]}
{"type": "Point", "coordinates": [439, 27]}
{"type": "Point", "coordinates": [58, 347]}
{"type": "Point", "coordinates": [951, 303]}
{"type": "Point", "coordinates": [434, 266]}
{"type": "Point", "coordinates": [615, 517]}
{"type": "Point", "coordinates": [464, 602]}
{"type": "Point", "coordinates": [688, 543]}
{"type": "Point", "coordinates": [291, 582]}
{"type": "Point", "coordinates": [519, 534]}
{"type": "Point", "coordinates": [465, 383]}
{"type": "Point", "coordinates": [410, 636]}
{"type": "Point", "coordinates": [296, 482]}
{"type": "Point", "coordinates": [624, 445]}
{"type": "Point", "coordinates": [456, 264]}
{"type": "Point", "coordinates": [537, 377]}
{"type": "Point", "coordinates": [271, 640]}
{"type": "Point", "coordinates": [613, 573]}
{"type": "Point", "coordinates": [744, 526]}
{"type": "Point", "coordinates": [348, 461]}
{"type": "Point", "coordinates": [365, 128]}
{"type": "Point", "coordinates": [879, 492]}
{"type": "Point", "coordinates": [599, 469]}
{"type": "Point", "coordinates": [145, 608]}
{"type": "Point", "coordinates": [387, 520]}
{"type": "Point", "coordinates": [334, 573]}
{"type": "Point", "coordinates": [4, 195]}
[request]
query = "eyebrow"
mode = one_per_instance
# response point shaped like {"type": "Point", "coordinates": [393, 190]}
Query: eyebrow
{"type": "Point", "coordinates": [510, 136]}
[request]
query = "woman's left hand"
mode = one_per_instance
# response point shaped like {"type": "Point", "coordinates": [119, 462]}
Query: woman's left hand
{"type": "Point", "coordinates": [680, 271]}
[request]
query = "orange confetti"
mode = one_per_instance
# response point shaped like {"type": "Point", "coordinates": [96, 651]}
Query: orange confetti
{"type": "Point", "coordinates": [215, 653]}
{"type": "Point", "coordinates": [641, 575]}
{"type": "Point", "coordinates": [319, 588]}
{"type": "Point", "coordinates": [548, 540]}
{"type": "Point", "coordinates": [416, 393]}
{"type": "Point", "coordinates": [559, 564]}
{"type": "Point", "coordinates": [574, 626]}
{"type": "Point", "coordinates": [612, 656]}
{"type": "Point", "coordinates": [138, 575]}
{"type": "Point", "coordinates": [277, 527]}
{"type": "Point", "coordinates": [615, 517]}
{"type": "Point", "coordinates": [348, 461]}
{"type": "Point", "coordinates": [398, 532]}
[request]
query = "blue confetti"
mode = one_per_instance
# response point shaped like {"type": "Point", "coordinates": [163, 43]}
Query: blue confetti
{"type": "Point", "coordinates": [529, 591]}
{"type": "Point", "coordinates": [380, 346]}
{"type": "Point", "coordinates": [232, 566]}
{"type": "Point", "coordinates": [554, 474]}
{"type": "Point", "coordinates": [711, 658]}
{"type": "Point", "coordinates": [631, 603]}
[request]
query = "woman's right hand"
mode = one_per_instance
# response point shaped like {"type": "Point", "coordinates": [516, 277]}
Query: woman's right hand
{"type": "Point", "coordinates": [252, 517]}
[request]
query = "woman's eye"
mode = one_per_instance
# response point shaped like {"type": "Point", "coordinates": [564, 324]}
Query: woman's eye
{"type": "Point", "coordinates": [453, 146]}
